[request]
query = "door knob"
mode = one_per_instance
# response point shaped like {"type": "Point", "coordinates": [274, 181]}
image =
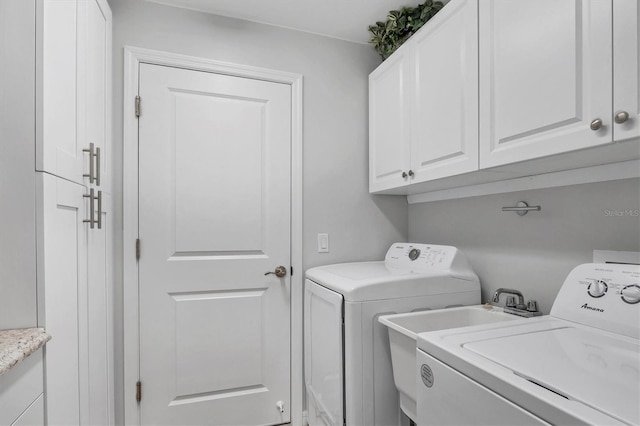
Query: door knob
{"type": "Point", "coordinates": [621, 117]}
{"type": "Point", "coordinates": [596, 124]}
{"type": "Point", "coordinates": [280, 272]}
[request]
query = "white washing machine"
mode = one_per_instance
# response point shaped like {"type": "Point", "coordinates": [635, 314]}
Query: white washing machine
{"type": "Point", "coordinates": [348, 375]}
{"type": "Point", "coordinates": [578, 365]}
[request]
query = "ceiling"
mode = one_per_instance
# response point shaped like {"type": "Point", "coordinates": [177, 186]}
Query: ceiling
{"type": "Point", "coordinates": [343, 19]}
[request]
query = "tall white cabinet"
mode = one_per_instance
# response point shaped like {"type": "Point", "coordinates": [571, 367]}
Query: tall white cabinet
{"type": "Point", "coordinates": [74, 232]}
{"type": "Point", "coordinates": [55, 120]}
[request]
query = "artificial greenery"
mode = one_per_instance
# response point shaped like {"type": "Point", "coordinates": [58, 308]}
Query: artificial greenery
{"type": "Point", "coordinates": [400, 25]}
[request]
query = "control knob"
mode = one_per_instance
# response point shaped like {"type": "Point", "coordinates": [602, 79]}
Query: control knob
{"type": "Point", "coordinates": [414, 254]}
{"type": "Point", "coordinates": [597, 288]}
{"type": "Point", "coordinates": [631, 293]}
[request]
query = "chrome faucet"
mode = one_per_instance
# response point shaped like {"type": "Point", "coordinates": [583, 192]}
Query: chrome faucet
{"type": "Point", "coordinates": [496, 295]}
{"type": "Point", "coordinates": [511, 307]}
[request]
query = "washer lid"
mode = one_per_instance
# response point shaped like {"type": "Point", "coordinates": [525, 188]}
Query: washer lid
{"type": "Point", "coordinates": [599, 370]}
{"type": "Point", "coordinates": [363, 281]}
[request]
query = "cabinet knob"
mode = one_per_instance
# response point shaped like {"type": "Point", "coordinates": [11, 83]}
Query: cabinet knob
{"type": "Point", "coordinates": [404, 175]}
{"type": "Point", "coordinates": [621, 117]}
{"type": "Point", "coordinates": [411, 173]}
{"type": "Point", "coordinates": [596, 124]}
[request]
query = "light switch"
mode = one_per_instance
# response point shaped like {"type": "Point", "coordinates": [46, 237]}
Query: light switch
{"type": "Point", "coordinates": [323, 243]}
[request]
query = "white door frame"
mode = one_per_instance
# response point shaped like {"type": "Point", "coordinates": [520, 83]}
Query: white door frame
{"type": "Point", "coordinates": [133, 57]}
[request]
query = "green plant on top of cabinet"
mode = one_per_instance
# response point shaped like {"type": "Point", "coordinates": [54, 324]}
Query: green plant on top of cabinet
{"type": "Point", "coordinates": [546, 85]}
{"type": "Point", "coordinates": [388, 36]}
{"type": "Point", "coordinates": [423, 103]}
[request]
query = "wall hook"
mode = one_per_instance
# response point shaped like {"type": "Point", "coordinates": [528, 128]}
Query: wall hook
{"type": "Point", "coordinates": [521, 208]}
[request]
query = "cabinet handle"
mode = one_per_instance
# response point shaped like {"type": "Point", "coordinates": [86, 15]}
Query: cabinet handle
{"type": "Point", "coordinates": [411, 173]}
{"type": "Point", "coordinates": [596, 124]}
{"type": "Point", "coordinates": [621, 117]}
{"type": "Point", "coordinates": [91, 168]}
{"type": "Point", "coordinates": [404, 175]}
{"type": "Point", "coordinates": [92, 220]}
{"type": "Point", "coordinates": [99, 209]}
{"type": "Point", "coordinates": [97, 156]}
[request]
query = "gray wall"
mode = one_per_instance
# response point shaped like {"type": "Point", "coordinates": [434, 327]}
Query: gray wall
{"type": "Point", "coordinates": [17, 165]}
{"type": "Point", "coordinates": [336, 199]}
{"type": "Point", "coordinates": [533, 253]}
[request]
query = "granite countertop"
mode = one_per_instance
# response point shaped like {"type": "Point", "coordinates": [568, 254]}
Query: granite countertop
{"type": "Point", "coordinates": [18, 344]}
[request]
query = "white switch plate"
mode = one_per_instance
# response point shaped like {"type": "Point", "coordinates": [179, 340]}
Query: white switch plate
{"type": "Point", "coordinates": [323, 243]}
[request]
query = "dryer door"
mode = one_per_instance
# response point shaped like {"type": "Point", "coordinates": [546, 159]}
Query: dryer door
{"type": "Point", "coordinates": [323, 355]}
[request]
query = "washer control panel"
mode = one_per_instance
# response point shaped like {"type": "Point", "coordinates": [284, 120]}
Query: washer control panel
{"type": "Point", "coordinates": [602, 295]}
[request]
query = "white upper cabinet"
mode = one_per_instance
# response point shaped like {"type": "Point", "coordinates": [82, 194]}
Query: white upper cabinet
{"type": "Point", "coordinates": [626, 70]}
{"type": "Point", "coordinates": [390, 92]}
{"type": "Point", "coordinates": [444, 125]}
{"type": "Point", "coordinates": [94, 99]}
{"type": "Point", "coordinates": [545, 78]}
{"type": "Point", "coordinates": [73, 71]}
{"type": "Point", "coordinates": [58, 150]}
{"type": "Point", "coordinates": [423, 103]}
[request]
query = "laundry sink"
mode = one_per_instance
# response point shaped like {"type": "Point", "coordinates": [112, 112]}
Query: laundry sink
{"type": "Point", "coordinates": [403, 331]}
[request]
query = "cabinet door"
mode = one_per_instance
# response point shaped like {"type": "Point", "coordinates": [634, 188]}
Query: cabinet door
{"type": "Point", "coordinates": [32, 416]}
{"type": "Point", "coordinates": [389, 121]}
{"type": "Point", "coordinates": [94, 111]}
{"type": "Point", "coordinates": [545, 75]}
{"type": "Point", "coordinates": [444, 140]}
{"type": "Point", "coordinates": [58, 150]}
{"type": "Point", "coordinates": [626, 69]}
{"type": "Point", "coordinates": [61, 260]}
{"type": "Point", "coordinates": [99, 335]}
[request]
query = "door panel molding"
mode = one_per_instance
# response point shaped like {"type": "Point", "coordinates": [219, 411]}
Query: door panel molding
{"type": "Point", "coordinates": [134, 57]}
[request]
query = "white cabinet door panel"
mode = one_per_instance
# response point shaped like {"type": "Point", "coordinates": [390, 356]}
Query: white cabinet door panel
{"type": "Point", "coordinates": [542, 85]}
{"type": "Point", "coordinates": [62, 244]}
{"type": "Point", "coordinates": [58, 149]}
{"type": "Point", "coordinates": [389, 122]}
{"type": "Point", "coordinates": [99, 336]}
{"type": "Point", "coordinates": [34, 415]}
{"type": "Point", "coordinates": [626, 67]}
{"type": "Point", "coordinates": [444, 140]}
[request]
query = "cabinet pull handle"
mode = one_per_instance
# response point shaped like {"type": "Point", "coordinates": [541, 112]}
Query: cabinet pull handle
{"type": "Point", "coordinates": [621, 117]}
{"type": "Point", "coordinates": [97, 157]}
{"type": "Point", "coordinates": [596, 124]}
{"type": "Point", "coordinates": [404, 175]}
{"type": "Point", "coordinates": [91, 174]}
{"type": "Point", "coordinates": [99, 209]}
{"type": "Point", "coordinates": [91, 221]}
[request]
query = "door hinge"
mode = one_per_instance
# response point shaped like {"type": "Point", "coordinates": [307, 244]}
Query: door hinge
{"type": "Point", "coordinates": [138, 391]}
{"type": "Point", "coordinates": [137, 106]}
{"type": "Point", "coordinates": [138, 249]}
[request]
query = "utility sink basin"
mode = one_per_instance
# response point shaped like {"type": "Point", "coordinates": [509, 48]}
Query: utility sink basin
{"type": "Point", "coordinates": [403, 331]}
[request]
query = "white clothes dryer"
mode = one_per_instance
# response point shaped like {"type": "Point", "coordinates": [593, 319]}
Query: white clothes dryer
{"type": "Point", "coordinates": [578, 365]}
{"type": "Point", "coordinates": [348, 373]}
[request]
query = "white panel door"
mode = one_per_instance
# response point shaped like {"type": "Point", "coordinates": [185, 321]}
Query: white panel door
{"type": "Point", "coordinates": [626, 68]}
{"type": "Point", "coordinates": [444, 136]}
{"type": "Point", "coordinates": [214, 217]}
{"type": "Point", "coordinates": [545, 75]}
{"type": "Point", "coordinates": [99, 302]}
{"type": "Point", "coordinates": [62, 274]}
{"type": "Point", "coordinates": [59, 151]}
{"type": "Point", "coordinates": [389, 120]}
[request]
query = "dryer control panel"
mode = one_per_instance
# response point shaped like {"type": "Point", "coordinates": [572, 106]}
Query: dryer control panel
{"type": "Point", "coordinates": [425, 258]}
{"type": "Point", "coordinates": [602, 295]}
